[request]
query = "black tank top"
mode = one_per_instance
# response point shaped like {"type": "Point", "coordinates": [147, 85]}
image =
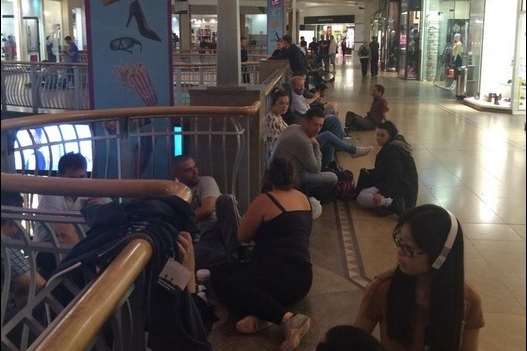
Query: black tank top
{"type": "Point", "coordinates": [285, 236]}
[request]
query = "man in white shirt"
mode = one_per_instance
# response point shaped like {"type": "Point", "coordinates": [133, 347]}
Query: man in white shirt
{"type": "Point", "coordinates": [205, 191]}
{"type": "Point", "coordinates": [71, 165]}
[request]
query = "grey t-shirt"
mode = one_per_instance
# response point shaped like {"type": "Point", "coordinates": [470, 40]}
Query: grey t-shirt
{"type": "Point", "coordinates": [294, 145]}
{"type": "Point", "coordinates": [206, 187]}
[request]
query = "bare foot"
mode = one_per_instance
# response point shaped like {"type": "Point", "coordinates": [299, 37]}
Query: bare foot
{"type": "Point", "coordinates": [295, 328]}
{"type": "Point", "coordinates": [251, 325]}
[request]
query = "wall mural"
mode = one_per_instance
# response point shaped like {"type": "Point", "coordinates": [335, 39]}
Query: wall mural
{"type": "Point", "coordinates": [130, 53]}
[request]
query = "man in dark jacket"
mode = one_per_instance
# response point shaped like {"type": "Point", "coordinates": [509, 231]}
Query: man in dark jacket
{"type": "Point", "coordinates": [292, 53]}
{"type": "Point", "coordinates": [375, 116]}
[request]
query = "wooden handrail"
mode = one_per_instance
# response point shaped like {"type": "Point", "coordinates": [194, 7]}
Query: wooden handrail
{"type": "Point", "coordinates": [84, 64]}
{"type": "Point", "coordinates": [111, 114]}
{"type": "Point", "coordinates": [211, 64]}
{"type": "Point", "coordinates": [82, 322]}
{"type": "Point", "coordinates": [129, 188]}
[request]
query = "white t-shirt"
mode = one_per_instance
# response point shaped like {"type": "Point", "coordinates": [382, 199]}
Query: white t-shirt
{"type": "Point", "coordinates": [299, 103]}
{"type": "Point", "coordinates": [206, 187]}
{"type": "Point", "coordinates": [59, 204]}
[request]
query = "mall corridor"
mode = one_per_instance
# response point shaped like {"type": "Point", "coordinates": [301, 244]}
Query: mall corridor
{"type": "Point", "coordinates": [470, 162]}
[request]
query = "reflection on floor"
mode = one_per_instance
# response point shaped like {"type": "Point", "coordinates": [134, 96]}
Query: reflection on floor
{"type": "Point", "coordinates": [471, 162]}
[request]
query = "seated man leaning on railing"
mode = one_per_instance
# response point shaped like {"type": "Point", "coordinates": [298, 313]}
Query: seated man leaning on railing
{"type": "Point", "coordinates": [18, 263]}
{"type": "Point", "coordinates": [205, 191]}
{"type": "Point", "coordinates": [71, 165]}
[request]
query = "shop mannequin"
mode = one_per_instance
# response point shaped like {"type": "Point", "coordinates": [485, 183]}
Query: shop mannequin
{"type": "Point", "coordinates": [457, 51]}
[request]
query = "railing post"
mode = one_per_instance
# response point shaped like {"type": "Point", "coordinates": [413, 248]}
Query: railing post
{"type": "Point", "coordinates": [3, 86]}
{"type": "Point", "coordinates": [35, 85]}
{"type": "Point", "coordinates": [200, 68]}
{"type": "Point", "coordinates": [77, 87]}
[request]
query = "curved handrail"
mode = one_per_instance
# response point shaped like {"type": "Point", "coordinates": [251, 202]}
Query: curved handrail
{"type": "Point", "coordinates": [109, 114]}
{"type": "Point", "coordinates": [94, 187]}
{"type": "Point", "coordinates": [81, 323]}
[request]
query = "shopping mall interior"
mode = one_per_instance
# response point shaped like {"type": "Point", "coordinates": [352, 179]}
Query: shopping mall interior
{"type": "Point", "coordinates": [263, 175]}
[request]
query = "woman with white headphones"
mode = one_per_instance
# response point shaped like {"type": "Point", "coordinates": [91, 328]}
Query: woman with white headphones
{"type": "Point", "coordinates": [424, 304]}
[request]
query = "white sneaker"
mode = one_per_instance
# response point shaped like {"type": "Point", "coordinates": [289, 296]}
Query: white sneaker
{"type": "Point", "coordinates": [362, 151]}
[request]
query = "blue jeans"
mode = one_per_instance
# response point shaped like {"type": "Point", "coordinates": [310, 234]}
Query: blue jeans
{"type": "Point", "coordinates": [319, 185]}
{"type": "Point", "coordinates": [329, 143]}
{"type": "Point", "coordinates": [333, 125]}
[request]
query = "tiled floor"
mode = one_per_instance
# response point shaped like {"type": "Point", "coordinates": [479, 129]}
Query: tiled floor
{"type": "Point", "coordinates": [469, 161]}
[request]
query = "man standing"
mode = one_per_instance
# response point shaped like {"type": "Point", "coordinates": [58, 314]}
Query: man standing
{"type": "Point", "coordinates": [244, 58]}
{"type": "Point", "coordinates": [205, 191]}
{"type": "Point", "coordinates": [374, 55]}
{"type": "Point", "coordinates": [71, 55]}
{"type": "Point", "coordinates": [364, 57]}
{"type": "Point", "coordinates": [292, 53]}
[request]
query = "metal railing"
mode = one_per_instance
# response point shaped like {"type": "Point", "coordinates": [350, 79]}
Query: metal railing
{"type": "Point", "coordinates": [40, 321]}
{"type": "Point", "coordinates": [53, 86]}
{"type": "Point", "coordinates": [45, 85]}
{"type": "Point", "coordinates": [139, 143]}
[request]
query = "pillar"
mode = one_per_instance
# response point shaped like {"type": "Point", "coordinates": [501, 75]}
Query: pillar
{"type": "Point", "coordinates": [228, 51]}
{"type": "Point", "coordinates": [20, 32]}
{"type": "Point", "coordinates": [294, 25]}
{"type": "Point", "coordinates": [185, 32]}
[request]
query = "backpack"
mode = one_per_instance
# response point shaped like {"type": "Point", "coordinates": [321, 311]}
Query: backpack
{"type": "Point", "coordinates": [345, 189]}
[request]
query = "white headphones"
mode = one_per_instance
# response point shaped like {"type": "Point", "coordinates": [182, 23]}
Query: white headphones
{"type": "Point", "coordinates": [452, 234]}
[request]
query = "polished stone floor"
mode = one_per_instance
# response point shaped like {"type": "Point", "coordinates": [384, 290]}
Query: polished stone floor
{"type": "Point", "coordinates": [470, 162]}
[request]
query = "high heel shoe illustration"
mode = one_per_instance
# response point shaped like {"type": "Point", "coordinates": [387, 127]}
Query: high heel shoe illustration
{"type": "Point", "coordinates": [137, 12]}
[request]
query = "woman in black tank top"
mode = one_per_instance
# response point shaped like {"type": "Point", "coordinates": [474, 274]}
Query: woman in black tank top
{"type": "Point", "coordinates": [280, 273]}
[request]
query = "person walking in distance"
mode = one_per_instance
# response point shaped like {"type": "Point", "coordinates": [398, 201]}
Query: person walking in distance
{"type": "Point", "coordinates": [364, 57]}
{"type": "Point", "coordinates": [374, 57]}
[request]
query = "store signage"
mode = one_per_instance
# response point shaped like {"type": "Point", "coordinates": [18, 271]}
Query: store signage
{"type": "Point", "coordinates": [275, 23]}
{"type": "Point", "coordinates": [129, 50]}
{"type": "Point", "coordinates": [411, 5]}
{"type": "Point", "coordinates": [329, 19]}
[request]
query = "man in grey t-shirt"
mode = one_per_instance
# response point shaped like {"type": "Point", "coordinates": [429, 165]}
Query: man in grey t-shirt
{"type": "Point", "coordinates": [205, 191]}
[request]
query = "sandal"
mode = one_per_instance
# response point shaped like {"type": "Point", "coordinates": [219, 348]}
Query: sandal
{"type": "Point", "coordinates": [295, 328]}
{"type": "Point", "coordinates": [251, 325]}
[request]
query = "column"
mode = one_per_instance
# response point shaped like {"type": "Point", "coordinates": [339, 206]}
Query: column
{"type": "Point", "coordinates": [228, 51]}
{"type": "Point", "coordinates": [20, 33]}
{"type": "Point", "coordinates": [294, 28]}
{"type": "Point", "coordinates": [276, 14]}
{"type": "Point", "coordinates": [185, 32]}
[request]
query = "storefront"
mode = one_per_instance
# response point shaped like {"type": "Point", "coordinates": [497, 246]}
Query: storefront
{"type": "Point", "coordinates": [33, 30]}
{"type": "Point", "coordinates": [409, 39]}
{"type": "Point", "coordinates": [496, 55]}
{"type": "Point", "coordinates": [204, 29]}
{"type": "Point", "coordinates": [341, 27]}
{"type": "Point", "coordinates": [390, 37]}
{"type": "Point", "coordinates": [445, 33]}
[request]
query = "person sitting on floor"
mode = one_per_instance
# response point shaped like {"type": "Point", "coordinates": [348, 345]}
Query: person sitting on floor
{"type": "Point", "coordinates": [280, 223]}
{"type": "Point", "coordinates": [274, 122]}
{"type": "Point", "coordinates": [71, 165]}
{"type": "Point", "coordinates": [348, 338]}
{"type": "Point", "coordinates": [311, 152]}
{"type": "Point", "coordinates": [425, 303]}
{"type": "Point", "coordinates": [393, 184]}
{"type": "Point", "coordinates": [205, 191]}
{"type": "Point", "coordinates": [376, 115]}
{"type": "Point", "coordinates": [20, 274]}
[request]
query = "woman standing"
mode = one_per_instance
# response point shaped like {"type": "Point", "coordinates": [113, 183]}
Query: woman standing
{"type": "Point", "coordinates": [425, 303]}
{"type": "Point", "coordinates": [280, 272]}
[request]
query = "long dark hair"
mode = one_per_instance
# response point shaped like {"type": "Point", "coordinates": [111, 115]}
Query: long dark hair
{"type": "Point", "coordinates": [429, 226]}
{"type": "Point", "coordinates": [393, 132]}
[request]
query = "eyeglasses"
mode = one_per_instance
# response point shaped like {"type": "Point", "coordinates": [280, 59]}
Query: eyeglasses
{"type": "Point", "coordinates": [407, 250]}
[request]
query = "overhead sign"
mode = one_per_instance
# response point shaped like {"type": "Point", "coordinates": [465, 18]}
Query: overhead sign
{"type": "Point", "coordinates": [275, 23]}
{"type": "Point", "coordinates": [329, 19]}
